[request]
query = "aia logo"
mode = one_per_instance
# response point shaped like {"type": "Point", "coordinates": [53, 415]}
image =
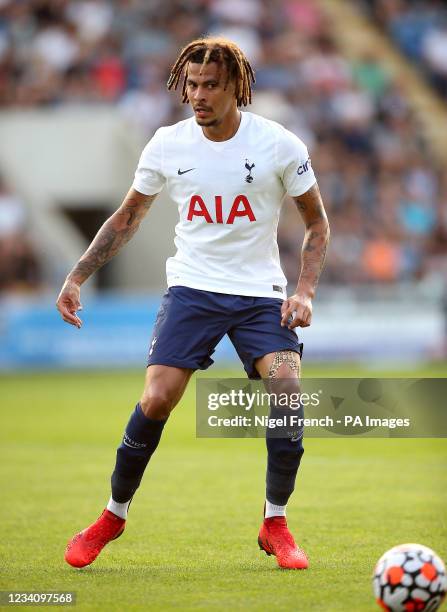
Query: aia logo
{"type": "Point", "coordinates": [240, 208]}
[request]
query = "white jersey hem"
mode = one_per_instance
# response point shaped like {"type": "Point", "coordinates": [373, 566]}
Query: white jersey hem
{"type": "Point", "coordinates": [243, 289]}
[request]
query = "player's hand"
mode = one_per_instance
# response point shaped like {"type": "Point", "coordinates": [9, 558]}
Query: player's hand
{"type": "Point", "coordinates": [296, 311]}
{"type": "Point", "coordinates": [69, 302]}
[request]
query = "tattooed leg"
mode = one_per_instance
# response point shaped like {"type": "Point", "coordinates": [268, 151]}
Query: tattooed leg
{"type": "Point", "coordinates": [286, 358]}
{"type": "Point", "coordinates": [285, 444]}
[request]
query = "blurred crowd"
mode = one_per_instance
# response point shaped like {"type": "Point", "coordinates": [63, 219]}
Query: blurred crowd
{"type": "Point", "coordinates": [419, 28]}
{"type": "Point", "coordinates": [19, 262]}
{"type": "Point", "coordinates": [386, 199]}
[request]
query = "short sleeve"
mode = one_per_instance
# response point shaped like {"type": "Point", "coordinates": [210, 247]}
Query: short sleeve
{"type": "Point", "coordinates": [149, 178]}
{"type": "Point", "coordinates": [295, 164]}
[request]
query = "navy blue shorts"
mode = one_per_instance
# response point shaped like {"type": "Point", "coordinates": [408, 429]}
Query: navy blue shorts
{"type": "Point", "coordinates": [191, 322]}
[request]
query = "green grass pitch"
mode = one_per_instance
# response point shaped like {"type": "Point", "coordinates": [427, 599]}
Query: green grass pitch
{"type": "Point", "coordinates": [190, 543]}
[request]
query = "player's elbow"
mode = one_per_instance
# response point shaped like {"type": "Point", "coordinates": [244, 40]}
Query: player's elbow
{"type": "Point", "coordinates": [320, 226]}
{"type": "Point", "coordinates": [323, 226]}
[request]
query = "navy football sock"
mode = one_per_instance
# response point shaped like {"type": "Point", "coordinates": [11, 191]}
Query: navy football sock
{"type": "Point", "coordinates": [283, 458]}
{"type": "Point", "coordinates": [140, 440]}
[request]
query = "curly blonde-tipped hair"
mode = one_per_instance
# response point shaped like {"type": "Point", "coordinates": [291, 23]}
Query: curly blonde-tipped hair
{"type": "Point", "coordinates": [225, 53]}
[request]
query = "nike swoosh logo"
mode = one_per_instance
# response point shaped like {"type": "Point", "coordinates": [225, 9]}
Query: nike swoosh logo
{"type": "Point", "coordinates": [180, 172]}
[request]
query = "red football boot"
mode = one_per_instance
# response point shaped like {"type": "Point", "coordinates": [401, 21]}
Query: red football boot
{"type": "Point", "coordinates": [275, 539]}
{"type": "Point", "coordinates": [85, 546]}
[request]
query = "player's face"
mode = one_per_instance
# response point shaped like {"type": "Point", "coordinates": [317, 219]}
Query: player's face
{"type": "Point", "coordinates": [211, 103]}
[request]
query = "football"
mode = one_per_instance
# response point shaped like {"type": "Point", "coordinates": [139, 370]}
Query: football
{"type": "Point", "coordinates": [410, 578]}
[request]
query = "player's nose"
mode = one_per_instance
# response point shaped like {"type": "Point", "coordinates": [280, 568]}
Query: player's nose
{"type": "Point", "coordinates": [199, 94]}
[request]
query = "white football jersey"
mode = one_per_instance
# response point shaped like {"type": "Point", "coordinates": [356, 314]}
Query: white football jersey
{"type": "Point", "coordinates": [229, 197]}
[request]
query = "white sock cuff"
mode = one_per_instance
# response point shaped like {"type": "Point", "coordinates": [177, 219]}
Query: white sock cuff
{"type": "Point", "coordinates": [117, 508]}
{"type": "Point", "coordinates": [274, 510]}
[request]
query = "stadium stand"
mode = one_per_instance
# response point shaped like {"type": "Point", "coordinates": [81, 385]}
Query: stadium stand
{"type": "Point", "coordinates": [419, 29]}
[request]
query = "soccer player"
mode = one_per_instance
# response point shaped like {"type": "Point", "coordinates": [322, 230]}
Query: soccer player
{"type": "Point", "coordinates": [228, 172]}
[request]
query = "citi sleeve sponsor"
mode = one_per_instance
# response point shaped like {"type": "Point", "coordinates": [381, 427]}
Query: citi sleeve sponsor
{"type": "Point", "coordinates": [304, 167]}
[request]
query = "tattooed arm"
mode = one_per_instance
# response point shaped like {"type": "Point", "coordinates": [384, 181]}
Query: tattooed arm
{"type": "Point", "coordinates": [313, 253]}
{"type": "Point", "coordinates": [116, 231]}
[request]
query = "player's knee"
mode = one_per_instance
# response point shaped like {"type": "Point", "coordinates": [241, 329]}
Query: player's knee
{"type": "Point", "coordinates": [287, 391]}
{"type": "Point", "coordinates": [157, 403]}
{"type": "Point", "coordinates": [284, 373]}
